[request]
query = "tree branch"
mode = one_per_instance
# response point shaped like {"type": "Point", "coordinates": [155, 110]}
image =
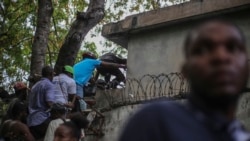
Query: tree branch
{"type": "Point", "coordinates": [54, 24]}
{"type": "Point", "coordinates": [17, 19]}
{"type": "Point", "coordinates": [24, 39]}
{"type": "Point", "coordinates": [50, 58]}
{"type": "Point", "coordinates": [2, 10]}
{"type": "Point", "coordinates": [39, 46]}
{"type": "Point", "coordinates": [84, 22]}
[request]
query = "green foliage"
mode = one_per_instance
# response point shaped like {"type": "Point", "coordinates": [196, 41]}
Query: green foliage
{"type": "Point", "coordinates": [16, 36]}
{"type": "Point", "coordinates": [18, 23]}
{"type": "Point", "coordinates": [63, 15]}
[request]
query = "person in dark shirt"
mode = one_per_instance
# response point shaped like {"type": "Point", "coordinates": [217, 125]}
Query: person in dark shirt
{"type": "Point", "coordinates": [20, 99]}
{"type": "Point", "coordinates": [41, 98]}
{"type": "Point", "coordinates": [15, 129]}
{"type": "Point", "coordinates": [217, 70]}
{"type": "Point", "coordinates": [108, 72]}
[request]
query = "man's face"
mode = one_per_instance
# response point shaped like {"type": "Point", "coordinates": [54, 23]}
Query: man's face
{"type": "Point", "coordinates": [216, 62]}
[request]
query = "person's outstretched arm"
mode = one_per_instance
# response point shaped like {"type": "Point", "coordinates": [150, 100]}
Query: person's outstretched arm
{"type": "Point", "coordinates": [112, 65]}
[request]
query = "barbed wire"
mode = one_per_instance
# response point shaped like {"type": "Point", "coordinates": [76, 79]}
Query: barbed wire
{"type": "Point", "coordinates": [149, 87]}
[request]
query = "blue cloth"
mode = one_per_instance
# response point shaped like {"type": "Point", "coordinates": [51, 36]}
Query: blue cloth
{"type": "Point", "coordinates": [79, 90]}
{"type": "Point", "coordinates": [83, 104]}
{"type": "Point", "coordinates": [83, 72]}
{"type": "Point", "coordinates": [41, 93]}
{"type": "Point", "coordinates": [84, 69]}
{"type": "Point", "coordinates": [172, 121]}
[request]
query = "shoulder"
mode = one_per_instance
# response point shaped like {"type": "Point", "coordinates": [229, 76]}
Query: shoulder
{"type": "Point", "coordinates": [55, 122]}
{"type": "Point", "coordinates": [65, 78]}
{"type": "Point", "coordinates": [43, 82]}
{"type": "Point", "coordinates": [55, 78]}
{"type": "Point", "coordinates": [155, 112]}
{"type": "Point", "coordinates": [159, 112]}
{"type": "Point", "coordinates": [150, 118]}
{"type": "Point", "coordinates": [94, 61]}
{"type": "Point", "coordinates": [48, 83]}
{"type": "Point", "coordinates": [85, 62]}
{"type": "Point", "coordinates": [157, 107]}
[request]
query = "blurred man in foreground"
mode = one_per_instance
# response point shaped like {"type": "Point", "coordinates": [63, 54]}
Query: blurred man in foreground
{"type": "Point", "coordinates": [217, 70]}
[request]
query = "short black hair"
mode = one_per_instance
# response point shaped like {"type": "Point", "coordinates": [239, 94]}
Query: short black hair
{"type": "Point", "coordinates": [189, 37]}
{"type": "Point", "coordinates": [58, 108]}
{"type": "Point", "coordinates": [47, 71]}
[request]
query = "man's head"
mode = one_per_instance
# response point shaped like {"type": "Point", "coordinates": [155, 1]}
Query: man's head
{"type": "Point", "coordinates": [21, 90]}
{"type": "Point", "coordinates": [19, 86]}
{"type": "Point", "coordinates": [48, 72]}
{"type": "Point", "coordinates": [216, 60]}
{"type": "Point", "coordinates": [68, 70]}
{"type": "Point", "coordinates": [58, 110]}
{"type": "Point", "coordinates": [89, 55]}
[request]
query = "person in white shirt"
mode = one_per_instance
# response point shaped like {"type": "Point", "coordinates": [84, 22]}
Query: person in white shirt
{"type": "Point", "coordinates": [58, 113]}
{"type": "Point", "coordinates": [72, 130]}
{"type": "Point", "coordinates": [65, 91]}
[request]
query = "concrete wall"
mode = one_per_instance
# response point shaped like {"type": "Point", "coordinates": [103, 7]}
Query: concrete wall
{"type": "Point", "coordinates": [115, 116]}
{"type": "Point", "coordinates": [114, 123]}
{"type": "Point", "coordinates": [160, 51]}
{"type": "Point", "coordinates": [243, 112]}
